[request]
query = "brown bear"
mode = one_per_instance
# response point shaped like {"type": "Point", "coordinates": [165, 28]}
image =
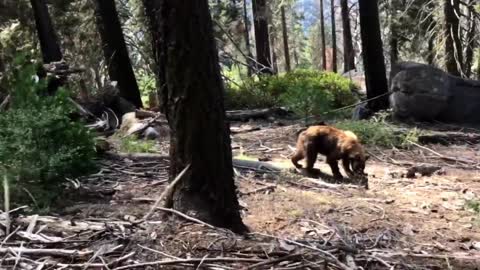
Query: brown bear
{"type": "Point", "coordinates": [333, 143]}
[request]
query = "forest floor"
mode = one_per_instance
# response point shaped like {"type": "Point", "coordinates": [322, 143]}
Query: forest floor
{"type": "Point", "coordinates": [426, 222]}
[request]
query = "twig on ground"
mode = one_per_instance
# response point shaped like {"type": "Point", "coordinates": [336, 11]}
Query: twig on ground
{"type": "Point", "coordinates": [273, 261]}
{"type": "Point", "coordinates": [192, 260]}
{"type": "Point", "coordinates": [187, 217]}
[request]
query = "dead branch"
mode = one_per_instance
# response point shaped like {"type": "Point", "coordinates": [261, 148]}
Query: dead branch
{"type": "Point", "coordinates": [46, 252]}
{"type": "Point", "coordinates": [186, 217]}
{"type": "Point", "coordinates": [4, 103]}
{"type": "Point", "coordinates": [245, 115]}
{"type": "Point", "coordinates": [189, 261]}
{"type": "Point", "coordinates": [255, 165]}
{"type": "Point", "coordinates": [167, 193]}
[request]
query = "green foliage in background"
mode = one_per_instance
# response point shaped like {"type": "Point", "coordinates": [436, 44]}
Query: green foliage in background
{"type": "Point", "coordinates": [307, 92]}
{"type": "Point", "coordinates": [131, 144]}
{"type": "Point", "coordinates": [377, 131]}
{"type": "Point", "coordinates": [39, 145]}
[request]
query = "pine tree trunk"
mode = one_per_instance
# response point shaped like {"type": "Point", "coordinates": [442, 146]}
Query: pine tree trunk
{"type": "Point", "coordinates": [192, 95]}
{"type": "Point", "coordinates": [471, 42]}
{"type": "Point", "coordinates": [46, 33]}
{"type": "Point", "coordinates": [115, 51]}
{"type": "Point", "coordinates": [247, 39]}
{"type": "Point", "coordinates": [322, 37]}
{"type": "Point", "coordinates": [286, 51]}
{"type": "Point", "coordinates": [373, 59]}
{"type": "Point", "coordinates": [453, 44]}
{"type": "Point", "coordinates": [262, 39]}
{"type": "Point", "coordinates": [393, 35]}
{"type": "Point", "coordinates": [348, 52]}
{"type": "Point", "coordinates": [334, 37]}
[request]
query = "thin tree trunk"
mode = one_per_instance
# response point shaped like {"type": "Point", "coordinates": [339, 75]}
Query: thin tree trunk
{"type": "Point", "coordinates": [286, 51]}
{"type": "Point", "coordinates": [247, 39]}
{"type": "Point", "coordinates": [393, 35]}
{"type": "Point", "coordinates": [192, 94]}
{"type": "Point", "coordinates": [115, 51]}
{"type": "Point", "coordinates": [46, 33]}
{"type": "Point", "coordinates": [453, 44]}
{"type": "Point", "coordinates": [334, 37]}
{"type": "Point", "coordinates": [471, 42]}
{"type": "Point", "coordinates": [373, 59]}
{"type": "Point", "coordinates": [348, 52]}
{"type": "Point", "coordinates": [274, 54]}
{"type": "Point", "coordinates": [262, 39]}
{"type": "Point", "coordinates": [322, 37]}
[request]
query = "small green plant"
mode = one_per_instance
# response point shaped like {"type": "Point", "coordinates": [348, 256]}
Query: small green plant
{"type": "Point", "coordinates": [39, 145]}
{"type": "Point", "coordinates": [131, 144]}
{"type": "Point", "coordinates": [473, 205]}
{"type": "Point", "coordinates": [379, 133]}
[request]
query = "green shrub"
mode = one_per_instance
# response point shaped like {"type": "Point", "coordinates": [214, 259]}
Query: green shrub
{"type": "Point", "coordinates": [379, 133]}
{"type": "Point", "coordinates": [306, 92]}
{"type": "Point", "coordinates": [39, 145]}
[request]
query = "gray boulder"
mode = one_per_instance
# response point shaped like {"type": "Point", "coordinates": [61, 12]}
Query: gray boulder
{"type": "Point", "coordinates": [425, 93]}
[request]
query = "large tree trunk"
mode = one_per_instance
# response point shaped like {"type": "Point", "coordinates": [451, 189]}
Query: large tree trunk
{"type": "Point", "coordinates": [115, 51]}
{"type": "Point", "coordinates": [471, 42]}
{"type": "Point", "coordinates": [348, 52]}
{"type": "Point", "coordinates": [262, 39]}
{"type": "Point", "coordinates": [247, 39]}
{"type": "Point", "coordinates": [373, 59]}
{"type": "Point", "coordinates": [334, 37]}
{"type": "Point", "coordinates": [46, 34]}
{"type": "Point", "coordinates": [322, 37]}
{"type": "Point", "coordinates": [192, 97]}
{"type": "Point", "coordinates": [453, 43]}
{"type": "Point", "coordinates": [286, 51]}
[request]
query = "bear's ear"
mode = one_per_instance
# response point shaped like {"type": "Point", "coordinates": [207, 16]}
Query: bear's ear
{"type": "Point", "coordinates": [367, 157]}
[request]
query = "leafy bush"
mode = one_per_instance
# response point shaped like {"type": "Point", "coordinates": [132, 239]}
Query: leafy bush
{"type": "Point", "coordinates": [39, 145]}
{"type": "Point", "coordinates": [306, 92]}
{"type": "Point", "coordinates": [379, 133]}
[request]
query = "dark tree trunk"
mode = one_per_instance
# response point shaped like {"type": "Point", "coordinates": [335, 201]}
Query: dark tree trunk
{"type": "Point", "coordinates": [115, 51]}
{"type": "Point", "coordinates": [192, 97]}
{"type": "Point", "coordinates": [431, 53]}
{"type": "Point", "coordinates": [348, 52]}
{"type": "Point", "coordinates": [453, 44]}
{"type": "Point", "coordinates": [322, 37]}
{"type": "Point", "coordinates": [49, 44]}
{"type": "Point", "coordinates": [373, 59]}
{"type": "Point", "coordinates": [247, 38]}
{"type": "Point", "coordinates": [471, 43]}
{"type": "Point", "coordinates": [334, 37]}
{"type": "Point", "coordinates": [46, 34]}
{"type": "Point", "coordinates": [286, 51]}
{"type": "Point", "coordinates": [262, 39]}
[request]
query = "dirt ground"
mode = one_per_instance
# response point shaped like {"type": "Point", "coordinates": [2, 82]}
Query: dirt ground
{"type": "Point", "coordinates": [398, 223]}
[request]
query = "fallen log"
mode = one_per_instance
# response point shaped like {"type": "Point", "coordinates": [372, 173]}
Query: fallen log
{"type": "Point", "coordinates": [245, 115]}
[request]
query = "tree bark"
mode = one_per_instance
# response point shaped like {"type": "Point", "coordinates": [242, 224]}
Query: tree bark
{"type": "Point", "coordinates": [192, 97]}
{"type": "Point", "coordinates": [115, 51]}
{"type": "Point", "coordinates": [286, 51]}
{"type": "Point", "coordinates": [453, 43]}
{"type": "Point", "coordinates": [264, 61]}
{"type": "Point", "coordinates": [46, 34]}
{"type": "Point", "coordinates": [322, 37]}
{"type": "Point", "coordinates": [373, 59]}
{"type": "Point", "coordinates": [393, 35]}
{"type": "Point", "coordinates": [334, 37]}
{"type": "Point", "coordinates": [471, 42]}
{"type": "Point", "coordinates": [247, 39]}
{"type": "Point", "coordinates": [348, 52]}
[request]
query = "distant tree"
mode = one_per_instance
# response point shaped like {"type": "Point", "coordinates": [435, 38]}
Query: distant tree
{"type": "Point", "coordinates": [247, 38]}
{"type": "Point", "coordinates": [286, 50]}
{"type": "Point", "coordinates": [348, 52]}
{"type": "Point", "coordinates": [262, 39]}
{"type": "Point", "coordinates": [115, 51]}
{"type": "Point", "coordinates": [192, 100]}
{"type": "Point", "coordinates": [46, 33]}
{"type": "Point", "coordinates": [453, 43]}
{"type": "Point", "coordinates": [334, 37]}
{"type": "Point", "coordinates": [322, 37]}
{"type": "Point", "coordinates": [373, 59]}
{"type": "Point", "coordinates": [394, 50]}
